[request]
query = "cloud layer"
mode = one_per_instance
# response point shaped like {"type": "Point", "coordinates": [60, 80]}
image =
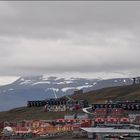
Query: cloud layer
{"type": "Point", "coordinates": [99, 38]}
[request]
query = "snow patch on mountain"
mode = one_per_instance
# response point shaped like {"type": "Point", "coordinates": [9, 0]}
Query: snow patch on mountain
{"type": "Point", "coordinates": [53, 89]}
{"type": "Point", "coordinates": [68, 82]}
{"type": "Point", "coordinates": [94, 83]}
{"type": "Point", "coordinates": [65, 82]}
{"type": "Point", "coordinates": [26, 82]}
{"type": "Point", "coordinates": [85, 86]}
{"type": "Point", "coordinates": [41, 82]}
{"type": "Point", "coordinates": [60, 83]}
{"type": "Point", "coordinates": [10, 89]}
{"type": "Point", "coordinates": [44, 77]}
{"type": "Point", "coordinates": [22, 79]}
{"type": "Point", "coordinates": [124, 81]}
{"type": "Point", "coordinates": [67, 88]}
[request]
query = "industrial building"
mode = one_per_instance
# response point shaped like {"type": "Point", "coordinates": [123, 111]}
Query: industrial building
{"type": "Point", "coordinates": [102, 133]}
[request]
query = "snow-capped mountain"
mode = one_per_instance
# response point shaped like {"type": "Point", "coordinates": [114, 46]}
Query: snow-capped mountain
{"type": "Point", "coordinates": [42, 87]}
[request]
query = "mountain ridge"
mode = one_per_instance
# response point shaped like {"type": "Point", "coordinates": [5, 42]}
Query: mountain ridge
{"type": "Point", "coordinates": [41, 87]}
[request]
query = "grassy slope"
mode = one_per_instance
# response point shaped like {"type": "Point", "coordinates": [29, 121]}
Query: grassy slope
{"type": "Point", "coordinates": [98, 96]}
{"type": "Point", "coordinates": [131, 92]}
{"type": "Point", "coordinates": [35, 113]}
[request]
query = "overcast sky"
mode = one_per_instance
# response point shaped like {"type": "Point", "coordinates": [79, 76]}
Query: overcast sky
{"type": "Point", "coordinates": [93, 39]}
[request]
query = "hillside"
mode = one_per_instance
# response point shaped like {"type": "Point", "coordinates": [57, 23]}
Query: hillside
{"type": "Point", "coordinates": [130, 92]}
{"type": "Point", "coordinates": [115, 93]}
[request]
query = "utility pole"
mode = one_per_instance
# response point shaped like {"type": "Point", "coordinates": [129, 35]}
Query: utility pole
{"type": "Point", "coordinates": [134, 81]}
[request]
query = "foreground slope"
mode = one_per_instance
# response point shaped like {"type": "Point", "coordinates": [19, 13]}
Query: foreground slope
{"type": "Point", "coordinates": [114, 93]}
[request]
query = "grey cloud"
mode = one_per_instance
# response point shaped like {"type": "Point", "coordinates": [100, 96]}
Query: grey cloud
{"type": "Point", "coordinates": [56, 37]}
{"type": "Point", "coordinates": [61, 68]}
{"type": "Point", "coordinates": [45, 19]}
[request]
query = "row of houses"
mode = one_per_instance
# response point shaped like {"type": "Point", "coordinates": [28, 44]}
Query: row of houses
{"type": "Point", "coordinates": [108, 112]}
{"type": "Point", "coordinates": [38, 103]}
{"type": "Point", "coordinates": [59, 108]}
{"type": "Point", "coordinates": [70, 105]}
{"type": "Point", "coordinates": [126, 105]}
{"type": "Point", "coordinates": [113, 120]}
{"type": "Point", "coordinates": [59, 104]}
